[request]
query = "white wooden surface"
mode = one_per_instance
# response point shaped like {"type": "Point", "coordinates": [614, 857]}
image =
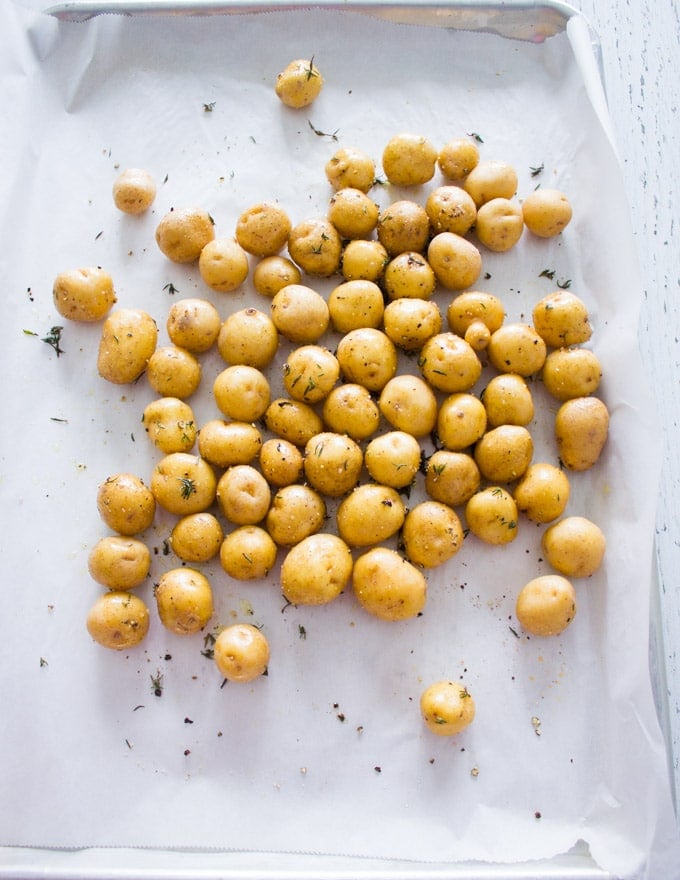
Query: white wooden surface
{"type": "Point", "coordinates": [640, 46]}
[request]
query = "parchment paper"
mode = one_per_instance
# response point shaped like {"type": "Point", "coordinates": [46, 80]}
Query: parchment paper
{"type": "Point", "coordinates": [327, 754]}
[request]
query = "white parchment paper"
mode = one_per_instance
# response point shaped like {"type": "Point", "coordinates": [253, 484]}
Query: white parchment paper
{"type": "Point", "coordinates": [327, 754]}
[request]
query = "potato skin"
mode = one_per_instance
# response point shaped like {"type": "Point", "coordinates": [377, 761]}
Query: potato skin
{"type": "Point", "coordinates": [546, 212]}
{"type": "Point", "coordinates": [574, 546]}
{"type": "Point", "coordinates": [517, 348]}
{"type": "Point", "coordinates": [409, 404]}
{"type": "Point", "coordinates": [542, 493]}
{"type": "Point", "coordinates": [196, 537]}
{"type": "Point", "coordinates": [119, 562]}
{"type": "Point", "coordinates": [491, 515]}
{"type": "Point", "coordinates": [432, 534]}
{"type": "Point", "coordinates": [504, 453]}
{"type": "Point", "coordinates": [223, 265]}
{"type": "Point", "coordinates": [134, 191]}
{"type": "Point", "coordinates": [581, 430]}
{"type": "Point", "coordinates": [248, 553]}
{"type": "Point", "coordinates": [182, 483]}
{"type": "Point", "coordinates": [447, 708]}
{"type": "Point", "coordinates": [561, 319]}
{"type": "Point", "coordinates": [184, 600]}
{"type": "Point", "coordinates": [546, 605]}
{"type": "Point", "coordinates": [84, 294]}
{"type": "Point", "coordinates": [387, 585]}
{"type": "Point", "coordinates": [193, 323]}
{"type": "Point", "coordinates": [241, 652]}
{"type": "Point", "coordinates": [456, 261]}
{"type": "Point", "coordinates": [332, 463]}
{"type": "Point", "coordinates": [350, 167]}
{"type": "Point", "coordinates": [170, 424]}
{"type": "Point", "coordinates": [118, 620]}
{"type": "Point", "coordinates": [295, 513]}
{"type": "Point", "coordinates": [316, 570]}
{"type": "Point", "coordinates": [263, 229]}
{"type": "Point", "coordinates": [371, 513]}
{"type": "Point", "coordinates": [571, 372]}
{"type": "Point", "coordinates": [499, 224]}
{"type": "Point", "coordinates": [126, 504]}
{"type": "Point", "coordinates": [315, 246]}
{"type": "Point", "coordinates": [173, 372]}
{"type": "Point", "coordinates": [299, 83]}
{"type": "Point", "coordinates": [182, 234]}
{"type": "Point", "coordinates": [409, 159]}
{"type": "Point", "coordinates": [128, 340]}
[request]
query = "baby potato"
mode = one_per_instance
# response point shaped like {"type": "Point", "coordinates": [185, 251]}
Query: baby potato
{"type": "Point", "coordinates": [184, 600]}
{"type": "Point", "coordinates": [403, 226]}
{"type": "Point", "coordinates": [295, 513]}
{"type": "Point", "coordinates": [173, 372]}
{"type": "Point", "coordinates": [128, 340]}
{"type": "Point", "coordinates": [388, 586]}
{"type": "Point", "coordinates": [451, 209]}
{"type": "Point", "coordinates": [574, 546]}
{"type": "Point", "coordinates": [370, 514]}
{"type": "Point", "coordinates": [409, 275]}
{"type": "Point", "coordinates": [193, 324]}
{"type": "Point", "coordinates": [263, 229]}
{"type": "Point", "coordinates": [542, 493]}
{"type": "Point", "coordinates": [272, 273]}
{"type": "Point", "coordinates": [248, 553]}
{"type": "Point", "coordinates": [491, 515]}
{"type": "Point", "coordinates": [242, 393]}
{"type": "Point", "coordinates": [571, 372]}
{"type": "Point", "coordinates": [504, 453]}
{"type": "Point", "coordinates": [432, 534]}
{"type": "Point", "coordinates": [350, 409]}
{"type": "Point", "coordinates": [299, 83]}
{"type": "Point", "coordinates": [499, 224]}
{"type": "Point", "coordinates": [126, 504]}
{"type": "Point", "coordinates": [449, 363]}
{"type": "Point", "coordinates": [457, 158]}
{"type": "Point", "coordinates": [457, 262]}
{"type": "Point", "coordinates": [517, 348]}
{"type": "Point", "coordinates": [241, 652]}
{"type": "Point", "coordinates": [310, 372]}
{"type": "Point", "coordinates": [561, 319]}
{"type": "Point", "coordinates": [248, 336]}
{"type": "Point", "coordinates": [84, 294]}
{"type": "Point", "coordinates": [508, 400]}
{"type": "Point", "coordinates": [461, 421]}
{"type": "Point", "coordinates": [243, 495]}
{"type": "Point", "coordinates": [393, 459]}
{"type": "Point", "coordinates": [363, 260]}
{"type": "Point", "coordinates": [581, 429]}
{"type": "Point", "coordinates": [134, 191]}
{"type": "Point", "coordinates": [182, 234]}
{"type": "Point", "coordinates": [183, 484]}
{"type": "Point", "coordinates": [409, 159]}
{"type": "Point", "coordinates": [475, 315]}
{"type": "Point", "coordinates": [546, 605]}
{"type": "Point", "coordinates": [118, 620]}
{"type": "Point", "coordinates": [409, 323]}
{"type": "Point", "coordinates": [409, 404]}
{"type": "Point", "coordinates": [223, 444]}
{"type": "Point", "coordinates": [451, 477]}
{"type": "Point", "coordinates": [197, 537]}
{"type": "Point", "coordinates": [546, 212]}
{"type": "Point", "coordinates": [367, 357]}
{"type": "Point", "coordinates": [350, 167]}
{"type": "Point", "coordinates": [353, 213]}
{"type": "Point", "coordinates": [292, 420]}
{"type": "Point", "coordinates": [170, 424]}
{"type": "Point", "coordinates": [281, 462]}
{"type": "Point", "coordinates": [355, 304]}
{"type": "Point", "coordinates": [223, 265]}
{"type": "Point", "coordinates": [315, 246]}
{"type": "Point", "coordinates": [332, 463]}
{"type": "Point", "coordinates": [316, 570]}
{"type": "Point", "coordinates": [119, 563]}
{"type": "Point", "coordinates": [447, 708]}
{"type": "Point", "coordinates": [491, 179]}
{"type": "Point", "coordinates": [300, 314]}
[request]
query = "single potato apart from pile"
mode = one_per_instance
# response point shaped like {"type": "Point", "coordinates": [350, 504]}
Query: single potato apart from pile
{"type": "Point", "coordinates": [118, 620]}
{"type": "Point", "coordinates": [134, 191]}
{"type": "Point", "coordinates": [184, 600]}
{"type": "Point", "coordinates": [316, 570]}
{"type": "Point", "coordinates": [581, 431]}
{"type": "Point", "coordinates": [241, 652]}
{"type": "Point", "coordinates": [546, 605]}
{"type": "Point", "coordinates": [447, 708]}
{"type": "Point", "coordinates": [432, 534]}
{"type": "Point", "coordinates": [248, 553]}
{"type": "Point", "coordinates": [299, 84]}
{"type": "Point", "coordinates": [128, 339]}
{"type": "Point", "coordinates": [119, 562]}
{"type": "Point", "coordinates": [546, 212]}
{"type": "Point", "coordinates": [574, 546]}
{"type": "Point", "coordinates": [197, 537]}
{"type": "Point", "coordinates": [126, 504]}
{"type": "Point", "coordinates": [388, 586]}
{"type": "Point", "coordinates": [85, 294]}
{"type": "Point", "coordinates": [182, 234]}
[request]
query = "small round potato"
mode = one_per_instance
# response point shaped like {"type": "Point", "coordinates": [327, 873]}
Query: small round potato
{"type": "Point", "coordinates": [332, 463]}
{"type": "Point", "coordinates": [449, 363]}
{"type": "Point", "coordinates": [409, 159]}
{"type": "Point", "coordinates": [546, 605]}
{"type": "Point", "coordinates": [182, 234]}
{"type": "Point", "coordinates": [84, 294]}
{"type": "Point", "coordinates": [170, 424]}
{"type": "Point", "coordinates": [542, 493]}
{"type": "Point", "coordinates": [403, 226]}
{"type": "Point", "coordinates": [281, 462]}
{"type": "Point", "coordinates": [409, 275]}
{"type": "Point", "coordinates": [173, 372]}
{"type": "Point", "coordinates": [504, 453]}
{"type": "Point", "coordinates": [467, 311]}
{"type": "Point", "coordinates": [356, 304]}
{"type": "Point", "coordinates": [126, 504]}
{"type": "Point", "coordinates": [393, 459]}
{"type": "Point", "coordinates": [118, 620]}
{"type": "Point", "coordinates": [248, 553]}
{"type": "Point", "coordinates": [491, 515]}
{"type": "Point", "coordinates": [242, 393]}
{"type": "Point", "coordinates": [128, 340]}
{"type": "Point", "coordinates": [367, 357]}
{"type": "Point", "coordinates": [243, 495]}
{"type": "Point", "coordinates": [387, 585]}
{"type": "Point", "coordinates": [546, 212]}
{"type": "Point", "coordinates": [316, 570]}
{"type": "Point", "coordinates": [241, 652]}
{"type": "Point", "coordinates": [561, 319]}
{"type": "Point", "coordinates": [451, 209]}
{"type": "Point", "coordinates": [223, 265]}
{"type": "Point", "coordinates": [451, 477]}
{"type": "Point", "coordinates": [193, 324]}
{"type": "Point", "coordinates": [571, 372]}
{"type": "Point", "coordinates": [499, 224]}
{"type": "Point", "coordinates": [491, 179]}
{"type": "Point", "coordinates": [182, 484]}
{"type": "Point", "coordinates": [197, 537]}
{"type": "Point", "coordinates": [457, 158]}
{"type": "Point", "coordinates": [248, 336]}
{"type": "Point", "coordinates": [224, 444]}
{"type": "Point", "coordinates": [432, 534]}
{"type": "Point", "coordinates": [350, 167]}
{"type": "Point", "coordinates": [456, 262]}
{"type": "Point", "coordinates": [353, 213]}
{"type": "Point", "coordinates": [272, 273]}
{"type": "Point", "coordinates": [134, 191]}
{"type": "Point", "coordinates": [300, 314]}
{"type": "Point", "coordinates": [184, 600]}
{"type": "Point", "coordinates": [461, 421]}
{"type": "Point", "coordinates": [295, 513]}
{"type": "Point", "coordinates": [299, 83]}
{"type": "Point", "coordinates": [409, 404]}
{"type": "Point", "coordinates": [574, 546]}
{"type": "Point", "coordinates": [370, 514]}
{"type": "Point", "coordinates": [581, 430]}
{"type": "Point", "coordinates": [119, 563]}
{"type": "Point", "coordinates": [310, 372]}
{"type": "Point", "coordinates": [292, 420]}
{"type": "Point", "coordinates": [350, 409]}
{"type": "Point", "coordinates": [315, 246]}
{"type": "Point", "coordinates": [517, 348]}
{"type": "Point", "coordinates": [447, 708]}
{"type": "Point", "coordinates": [411, 322]}
{"type": "Point", "coordinates": [263, 229]}
{"type": "Point", "coordinates": [508, 400]}
{"type": "Point", "coordinates": [364, 260]}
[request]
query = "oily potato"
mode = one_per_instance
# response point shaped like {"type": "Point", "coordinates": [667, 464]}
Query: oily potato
{"type": "Point", "coordinates": [388, 586]}
{"type": "Point", "coordinates": [409, 323]}
{"type": "Point", "coordinates": [197, 537]}
{"type": "Point", "coordinates": [248, 553]}
{"type": "Point", "coordinates": [368, 357]}
{"type": "Point", "coordinates": [263, 229]}
{"type": "Point", "coordinates": [432, 534]}
{"type": "Point", "coordinates": [409, 404]}
{"type": "Point", "coordinates": [517, 348]}
{"type": "Point", "coordinates": [447, 708]}
{"type": "Point", "coordinates": [546, 212]}
{"type": "Point", "coordinates": [409, 275]}
{"type": "Point", "coordinates": [451, 209]}
{"type": "Point", "coordinates": [134, 191]}
{"type": "Point", "coordinates": [491, 179]}
{"type": "Point", "coordinates": [296, 512]}
{"type": "Point", "coordinates": [223, 264]}
{"type": "Point", "coordinates": [581, 430]}
{"type": "Point", "coordinates": [457, 158]}
{"type": "Point", "coordinates": [353, 213]}
{"type": "Point", "coordinates": [571, 372]}
{"type": "Point", "coordinates": [542, 493]}
{"type": "Point", "coordinates": [242, 393]}
{"type": "Point", "coordinates": [193, 324]}
{"type": "Point", "coordinates": [299, 84]}
{"type": "Point", "coordinates": [491, 515]}
{"type": "Point", "coordinates": [475, 315]}
{"type": "Point", "coordinates": [508, 400]}
{"type": "Point", "coordinates": [119, 562]}
{"type": "Point", "coordinates": [449, 363]}
{"type": "Point", "coordinates": [503, 454]}
{"type": "Point", "coordinates": [499, 224]}
{"type": "Point", "coordinates": [332, 463]}
{"type": "Point", "coordinates": [393, 459]}
{"type": "Point", "coordinates": [174, 372]}
{"type": "Point", "coordinates": [371, 513]}
{"type": "Point", "coordinates": [316, 570]}
{"type": "Point", "coordinates": [315, 245]}
{"type": "Point", "coordinates": [409, 159]}
{"type": "Point", "coordinates": [243, 495]}
{"type": "Point", "coordinates": [128, 339]}
{"type": "Point", "coordinates": [574, 546]}
{"type": "Point", "coordinates": [182, 483]}
{"type": "Point", "coordinates": [561, 319]}
{"type": "Point", "coordinates": [350, 409]}
{"type": "Point", "coordinates": [184, 600]}
{"type": "Point", "coordinates": [300, 314]}
{"type": "Point", "coordinates": [241, 652]}
{"type": "Point", "coordinates": [272, 273]}
{"type": "Point", "coordinates": [355, 304]}
{"type": "Point", "coordinates": [350, 167]}
{"type": "Point", "coordinates": [546, 605]}
{"type": "Point", "coordinates": [118, 620]}
{"type": "Point", "coordinates": [126, 504]}
{"type": "Point", "coordinates": [451, 477]}
{"type": "Point", "coordinates": [170, 424]}
{"type": "Point", "coordinates": [456, 261]}
{"type": "Point", "coordinates": [249, 337]}
{"type": "Point", "coordinates": [461, 421]}
{"type": "Point", "coordinates": [310, 373]}
{"type": "Point", "coordinates": [293, 420]}
{"type": "Point", "coordinates": [224, 443]}
{"type": "Point", "coordinates": [281, 462]}
{"type": "Point", "coordinates": [85, 294]}
{"type": "Point", "coordinates": [403, 226]}
{"type": "Point", "coordinates": [182, 234]}
{"type": "Point", "coordinates": [364, 260]}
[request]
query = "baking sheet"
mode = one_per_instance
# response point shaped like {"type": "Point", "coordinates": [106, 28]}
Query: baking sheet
{"type": "Point", "coordinates": [332, 736]}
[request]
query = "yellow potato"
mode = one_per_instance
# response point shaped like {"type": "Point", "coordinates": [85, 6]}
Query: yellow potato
{"type": "Point", "coordinates": [263, 229]}
{"type": "Point", "coordinates": [499, 224]}
{"type": "Point", "coordinates": [461, 421]}
{"type": "Point", "coordinates": [451, 209]}
{"type": "Point", "coordinates": [128, 340]}
{"type": "Point", "coordinates": [546, 212]}
{"type": "Point", "coordinates": [119, 563]}
{"type": "Point", "coordinates": [387, 585]}
{"type": "Point", "coordinates": [457, 158]}
{"type": "Point", "coordinates": [508, 400]}
{"type": "Point", "coordinates": [432, 534]}
{"type": "Point", "coordinates": [248, 336]}
{"type": "Point", "coordinates": [223, 265]}
{"type": "Point", "coordinates": [248, 553]}
{"type": "Point", "coordinates": [409, 404]}
{"type": "Point", "coordinates": [367, 357]}
{"type": "Point", "coordinates": [182, 234]}
{"type": "Point", "coordinates": [409, 275]}
{"type": "Point", "coordinates": [574, 546]}
{"type": "Point", "coordinates": [241, 652]}
{"type": "Point", "coordinates": [504, 453]}
{"type": "Point", "coordinates": [350, 409]}
{"type": "Point", "coordinates": [403, 226]}
{"type": "Point", "coordinates": [272, 273]}
{"type": "Point", "coordinates": [451, 477]}
{"type": "Point", "coordinates": [197, 537]}
{"type": "Point", "coordinates": [411, 322]}
{"type": "Point", "coordinates": [571, 372]}
{"type": "Point", "coordinates": [134, 191]}
{"type": "Point", "coordinates": [281, 462]}
{"type": "Point", "coordinates": [293, 420]}
{"type": "Point", "coordinates": [517, 348]}
{"type": "Point", "coordinates": [332, 463]}
{"type": "Point", "coordinates": [173, 372]}
{"type": "Point", "coordinates": [299, 84]}
{"type": "Point", "coordinates": [546, 605]}
{"type": "Point", "coordinates": [542, 493]}
{"type": "Point", "coordinates": [581, 430]}
{"type": "Point", "coordinates": [317, 570]}
{"type": "Point", "coordinates": [356, 304]}
{"type": "Point", "coordinates": [315, 246]}
{"type": "Point", "coordinates": [118, 620]}
{"type": "Point", "coordinates": [409, 159]}
{"type": "Point", "coordinates": [370, 514]}
{"type": "Point", "coordinates": [491, 179]}
{"type": "Point", "coordinates": [184, 600]}
{"type": "Point", "coordinates": [364, 260]}
{"type": "Point", "coordinates": [561, 319]}
{"type": "Point", "coordinates": [353, 213]}
{"type": "Point", "coordinates": [295, 513]}
{"type": "Point", "coordinates": [475, 315]}
{"type": "Point", "coordinates": [170, 424]}
{"type": "Point", "coordinates": [126, 504]}
{"type": "Point", "coordinates": [242, 393]}
{"type": "Point", "coordinates": [223, 443]}
{"type": "Point", "coordinates": [449, 363]}
{"type": "Point", "coordinates": [300, 314]}
{"type": "Point", "coordinates": [182, 483]}
{"type": "Point", "coordinates": [447, 708]}
{"type": "Point", "coordinates": [350, 167]}
{"type": "Point", "coordinates": [243, 495]}
{"type": "Point", "coordinates": [193, 324]}
{"type": "Point", "coordinates": [84, 294]}
{"type": "Point", "coordinates": [310, 372]}
{"type": "Point", "coordinates": [393, 459]}
{"type": "Point", "coordinates": [456, 262]}
{"type": "Point", "coordinates": [491, 515]}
